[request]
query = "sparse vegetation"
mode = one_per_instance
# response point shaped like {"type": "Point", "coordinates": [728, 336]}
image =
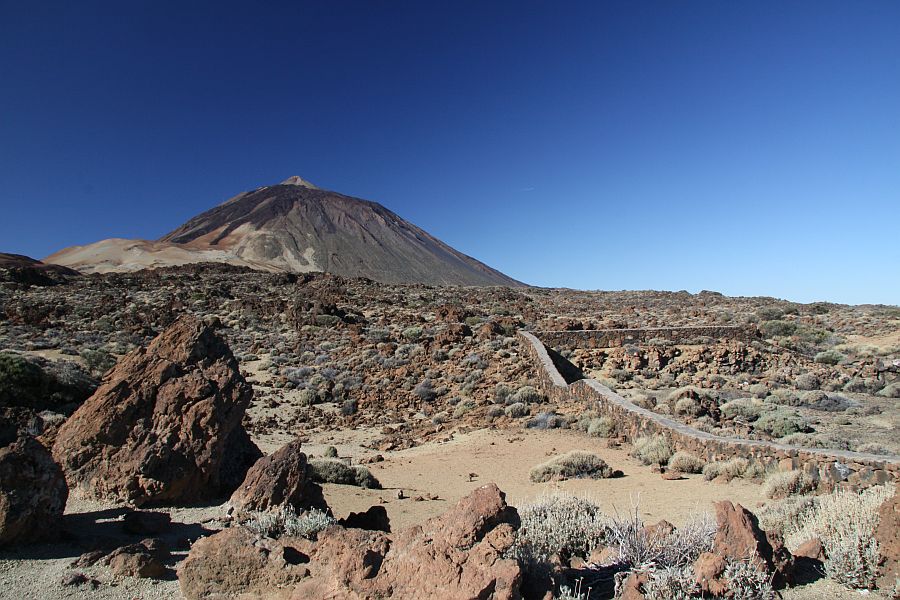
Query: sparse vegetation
{"type": "Point", "coordinates": [572, 465]}
{"type": "Point", "coordinates": [284, 521]}
{"type": "Point", "coordinates": [331, 470]}
{"type": "Point", "coordinates": [685, 462]}
{"type": "Point", "coordinates": [651, 450]}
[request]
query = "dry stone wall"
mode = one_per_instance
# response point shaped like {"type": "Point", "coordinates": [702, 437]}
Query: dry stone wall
{"type": "Point", "coordinates": [829, 467]}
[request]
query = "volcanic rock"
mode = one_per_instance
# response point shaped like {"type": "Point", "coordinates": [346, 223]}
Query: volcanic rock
{"type": "Point", "coordinates": [33, 493]}
{"type": "Point", "coordinates": [160, 427]}
{"type": "Point", "coordinates": [277, 480]}
{"type": "Point", "coordinates": [236, 561]}
{"type": "Point", "coordinates": [888, 536]}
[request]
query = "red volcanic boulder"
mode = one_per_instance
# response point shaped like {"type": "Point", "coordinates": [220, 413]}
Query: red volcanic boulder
{"type": "Point", "coordinates": [279, 479]}
{"type": "Point", "coordinates": [888, 536]}
{"type": "Point", "coordinates": [458, 555]}
{"type": "Point", "coordinates": [33, 493]}
{"type": "Point", "coordinates": [165, 425]}
{"type": "Point", "coordinates": [236, 562]}
{"type": "Point", "coordinates": [740, 538]}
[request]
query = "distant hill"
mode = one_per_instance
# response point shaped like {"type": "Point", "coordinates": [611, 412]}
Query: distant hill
{"type": "Point", "coordinates": [24, 269]}
{"type": "Point", "coordinates": [295, 226]}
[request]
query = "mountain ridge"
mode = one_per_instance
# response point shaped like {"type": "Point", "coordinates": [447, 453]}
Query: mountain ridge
{"type": "Point", "coordinates": [295, 226]}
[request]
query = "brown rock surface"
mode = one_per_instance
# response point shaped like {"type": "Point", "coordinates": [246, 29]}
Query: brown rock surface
{"type": "Point", "coordinates": [888, 536]}
{"type": "Point", "coordinates": [457, 555]}
{"type": "Point", "coordinates": [33, 493]}
{"type": "Point", "coordinates": [236, 561]}
{"type": "Point", "coordinates": [708, 569]}
{"type": "Point", "coordinates": [279, 479]}
{"type": "Point", "coordinates": [159, 427]}
{"type": "Point", "coordinates": [740, 538]}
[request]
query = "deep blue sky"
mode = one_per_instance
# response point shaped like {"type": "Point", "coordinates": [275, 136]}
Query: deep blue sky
{"type": "Point", "coordinates": [751, 148]}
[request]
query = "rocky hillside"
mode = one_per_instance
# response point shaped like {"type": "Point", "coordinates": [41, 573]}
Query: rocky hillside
{"type": "Point", "coordinates": [296, 227]}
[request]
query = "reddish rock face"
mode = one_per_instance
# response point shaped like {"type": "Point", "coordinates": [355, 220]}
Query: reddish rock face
{"type": "Point", "coordinates": [236, 561]}
{"type": "Point", "coordinates": [740, 538]}
{"type": "Point", "coordinates": [277, 480]}
{"type": "Point", "coordinates": [888, 536]}
{"type": "Point", "coordinates": [458, 555]}
{"type": "Point", "coordinates": [33, 493]}
{"type": "Point", "coordinates": [165, 425]}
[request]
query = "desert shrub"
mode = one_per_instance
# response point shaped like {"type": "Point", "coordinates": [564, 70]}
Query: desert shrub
{"type": "Point", "coordinates": [462, 408]}
{"type": "Point", "coordinates": [745, 408]}
{"type": "Point", "coordinates": [558, 525]}
{"type": "Point", "coordinates": [572, 465]}
{"type": "Point", "coordinates": [39, 383]}
{"type": "Point", "coordinates": [685, 462]}
{"type": "Point", "coordinates": [601, 427]}
{"type": "Point", "coordinates": [330, 470]}
{"type": "Point", "coordinates": [892, 390]}
{"type": "Point", "coordinates": [98, 362]}
{"type": "Point", "coordinates": [671, 583]}
{"type": "Point", "coordinates": [652, 450]}
{"type": "Point", "coordinates": [425, 390]}
{"type": "Point", "coordinates": [516, 410]}
{"type": "Point", "coordinates": [546, 420]}
{"type": "Point", "coordinates": [785, 397]}
{"type": "Point", "coordinates": [778, 328]}
{"type": "Point", "coordinates": [788, 483]}
{"type": "Point", "coordinates": [747, 580]}
{"type": "Point", "coordinates": [781, 422]}
{"type": "Point", "coordinates": [663, 408]}
{"type": "Point", "coordinates": [807, 381]}
{"type": "Point", "coordinates": [501, 393]}
{"type": "Point", "coordinates": [733, 468]}
{"type": "Point", "coordinates": [845, 522]}
{"type": "Point", "coordinates": [284, 520]}
{"type": "Point", "coordinates": [769, 313]}
{"type": "Point", "coordinates": [528, 395]}
{"type": "Point", "coordinates": [688, 407]}
{"type": "Point", "coordinates": [412, 334]}
{"type": "Point", "coordinates": [644, 401]}
{"type": "Point", "coordinates": [829, 357]}
{"type": "Point", "coordinates": [349, 407]}
{"type": "Point", "coordinates": [872, 448]}
{"type": "Point", "coordinates": [440, 418]}
{"type": "Point", "coordinates": [863, 385]}
{"type": "Point", "coordinates": [638, 546]}
{"type": "Point", "coordinates": [495, 411]}
{"type": "Point", "coordinates": [786, 514]}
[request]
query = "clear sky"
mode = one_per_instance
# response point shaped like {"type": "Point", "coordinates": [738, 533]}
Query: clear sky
{"type": "Point", "coordinates": [751, 148]}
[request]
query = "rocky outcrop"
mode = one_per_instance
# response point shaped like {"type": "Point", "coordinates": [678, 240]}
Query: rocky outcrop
{"type": "Point", "coordinates": [458, 555]}
{"type": "Point", "coordinates": [888, 536]}
{"type": "Point", "coordinates": [33, 493]}
{"type": "Point", "coordinates": [165, 425]}
{"type": "Point", "coordinates": [279, 479]}
{"type": "Point", "coordinates": [739, 538]}
{"type": "Point", "coordinates": [236, 561]}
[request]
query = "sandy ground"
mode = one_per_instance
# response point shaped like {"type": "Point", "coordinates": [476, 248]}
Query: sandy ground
{"type": "Point", "coordinates": [448, 470]}
{"type": "Point", "coordinates": [506, 457]}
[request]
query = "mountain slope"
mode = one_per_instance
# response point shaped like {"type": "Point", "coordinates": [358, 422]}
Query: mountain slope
{"type": "Point", "coordinates": [295, 226]}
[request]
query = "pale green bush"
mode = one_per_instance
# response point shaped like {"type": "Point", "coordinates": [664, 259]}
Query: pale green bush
{"type": "Point", "coordinates": [788, 483]}
{"type": "Point", "coordinates": [284, 520]}
{"type": "Point", "coordinates": [331, 470]}
{"type": "Point", "coordinates": [572, 465]}
{"type": "Point", "coordinates": [685, 462]}
{"type": "Point", "coordinates": [654, 449]}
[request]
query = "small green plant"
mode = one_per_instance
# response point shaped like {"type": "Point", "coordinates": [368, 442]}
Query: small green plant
{"type": "Point", "coordinates": [788, 483]}
{"type": "Point", "coordinates": [781, 422]}
{"type": "Point", "coordinates": [284, 521]}
{"type": "Point", "coordinates": [572, 465]}
{"type": "Point", "coordinates": [331, 470]}
{"type": "Point", "coordinates": [829, 357]}
{"type": "Point", "coordinates": [652, 450]}
{"type": "Point", "coordinates": [602, 427]}
{"type": "Point", "coordinates": [685, 462]}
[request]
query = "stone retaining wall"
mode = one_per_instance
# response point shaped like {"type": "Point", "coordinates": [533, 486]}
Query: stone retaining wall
{"type": "Point", "coordinates": [829, 467]}
{"type": "Point", "coordinates": [610, 338]}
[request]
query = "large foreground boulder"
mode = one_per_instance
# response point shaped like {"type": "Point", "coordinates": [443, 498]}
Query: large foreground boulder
{"type": "Point", "coordinates": [458, 555]}
{"type": "Point", "coordinates": [237, 562]}
{"type": "Point", "coordinates": [279, 479]}
{"type": "Point", "coordinates": [165, 425]}
{"type": "Point", "coordinates": [33, 493]}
